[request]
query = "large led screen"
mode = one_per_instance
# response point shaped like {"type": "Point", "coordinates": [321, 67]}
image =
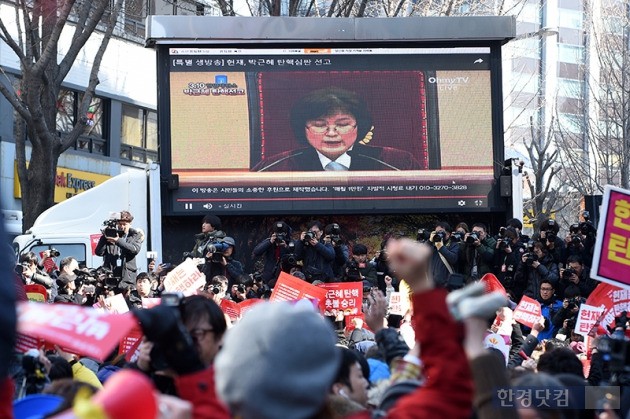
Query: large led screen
{"type": "Point", "coordinates": [329, 130]}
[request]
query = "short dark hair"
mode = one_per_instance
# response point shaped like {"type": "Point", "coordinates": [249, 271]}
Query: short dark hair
{"type": "Point", "coordinates": [348, 359]}
{"type": "Point", "coordinates": [143, 275]}
{"type": "Point", "coordinates": [446, 226]}
{"type": "Point", "coordinates": [66, 261]}
{"type": "Point", "coordinates": [197, 307]}
{"type": "Point", "coordinates": [514, 222]}
{"type": "Point", "coordinates": [560, 360]}
{"type": "Point", "coordinates": [359, 249]}
{"type": "Point", "coordinates": [315, 223]}
{"type": "Point", "coordinates": [213, 220]}
{"type": "Point", "coordinates": [575, 258]}
{"type": "Point", "coordinates": [481, 225]}
{"type": "Point", "coordinates": [28, 257]}
{"type": "Point", "coordinates": [324, 102]}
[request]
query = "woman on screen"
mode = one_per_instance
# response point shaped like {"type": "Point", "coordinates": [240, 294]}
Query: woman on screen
{"type": "Point", "coordinates": [329, 122]}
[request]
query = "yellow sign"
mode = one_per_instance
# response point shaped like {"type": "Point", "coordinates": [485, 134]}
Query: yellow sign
{"type": "Point", "coordinates": [528, 216]}
{"type": "Point", "coordinates": [68, 182]}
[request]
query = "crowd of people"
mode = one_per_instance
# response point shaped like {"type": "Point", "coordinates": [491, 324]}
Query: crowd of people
{"type": "Point", "coordinates": [286, 360]}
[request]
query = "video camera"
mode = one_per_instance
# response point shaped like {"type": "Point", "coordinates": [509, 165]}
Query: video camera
{"type": "Point", "coordinates": [111, 227]}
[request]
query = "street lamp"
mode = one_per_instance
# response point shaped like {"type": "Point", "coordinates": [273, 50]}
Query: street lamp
{"type": "Point", "coordinates": [540, 33]}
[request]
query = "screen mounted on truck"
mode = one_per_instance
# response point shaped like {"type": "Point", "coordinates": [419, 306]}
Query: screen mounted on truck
{"type": "Point", "coordinates": [330, 130]}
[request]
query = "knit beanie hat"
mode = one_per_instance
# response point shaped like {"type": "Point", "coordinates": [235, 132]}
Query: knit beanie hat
{"type": "Point", "coordinates": [279, 361]}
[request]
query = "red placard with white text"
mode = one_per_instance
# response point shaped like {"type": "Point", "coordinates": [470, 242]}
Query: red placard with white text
{"type": "Point", "coordinates": [613, 300]}
{"type": "Point", "coordinates": [81, 330]}
{"type": "Point", "coordinates": [528, 311]}
{"type": "Point", "coordinates": [290, 288]}
{"type": "Point", "coordinates": [344, 297]}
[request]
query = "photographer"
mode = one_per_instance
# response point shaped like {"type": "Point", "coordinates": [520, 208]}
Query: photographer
{"type": "Point", "coordinates": [273, 249]}
{"type": "Point", "coordinates": [569, 310]}
{"type": "Point", "coordinates": [581, 240]}
{"type": "Point", "coordinates": [478, 252]}
{"type": "Point", "coordinates": [445, 254]}
{"type": "Point", "coordinates": [68, 292]}
{"type": "Point", "coordinates": [317, 257]}
{"type": "Point", "coordinates": [548, 236]}
{"type": "Point", "coordinates": [536, 266]}
{"type": "Point", "coordinates": [576, 274]}
{"type": "Point", "coordinates": [332, 235]}
{"type": "Point", "coordinates": [384, 276]}
{"type": "Point", "coordinates": [119, 249]}
{"type": "Point", "coordinates": [210, 233]}
{"type": "Point", "coordinates": [220, 261]}
{"type": "Point", "coordinates": [507, 258]}
{"type": "Point", "coordinates": [32, 274]}
{"type": "Point", "coordinates": [358, 268]}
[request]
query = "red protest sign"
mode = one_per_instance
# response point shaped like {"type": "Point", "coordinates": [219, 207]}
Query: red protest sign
{"type": "Point", "coordinates": [35, 292]}
{"type": "Point", "coordinates": [82, 330]}
{"type": "Point", "coordinates": [290, 288]}
{"type": "Point", "coordinates": [94, 238]}
{"type": "Point", "coordinates": [492, 283]}
{"type": "Point", "coordinates": [237, 310]}
{"type": "Point", "coordinates": [344, 297]}
{"type": "Point", "coordinates": [527, 312]}
{"type": "Point", "coordinates": [611, 257]}
{"type": "Point", "coordinates": [612, 299]}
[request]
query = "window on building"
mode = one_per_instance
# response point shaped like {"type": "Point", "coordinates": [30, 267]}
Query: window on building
{"type": "Point", "coordinates": [92, 139]}
{"type": "Point", "coordinates": [138, 134]}
{"type": "Point", "coordinates": [570, 18]}
{"type": "Point", "coordinates": [570, 54]}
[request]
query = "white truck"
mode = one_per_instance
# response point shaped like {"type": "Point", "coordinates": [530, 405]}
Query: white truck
{"type": "Point", "coordinates": [73, 227]}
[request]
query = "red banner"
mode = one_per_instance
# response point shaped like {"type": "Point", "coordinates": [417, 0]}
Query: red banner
{"type": "Point", "coordinates": [290, 288]}
{"type": "Point", "coordinates": [82, 330]}
{"type": "Point", "coordinates": [492, 283]}
{"type": "Point", "coordinates": [528, 311]}
{"type": "Point", "coordinates": [612, 299]}
{"type": "Point", "coordinates": [94, 238]}
{"type": "Point", "coordinates": [345, 297]}
{"type": "Point", "coordinates": [237, 310]}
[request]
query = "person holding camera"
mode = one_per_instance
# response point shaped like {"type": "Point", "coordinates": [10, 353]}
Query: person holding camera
{"type": "Point", "coordinates": [273, 249]}
{"type": "Point", "coordinates": [119, 249]}
{"type": "Point", "coordinates": [548, 236]}
{"type": "Point", "coordinates": [220, 261]}
{"type": "Point", "coordinates": [210, 233]}
{"type": "Point", "coordinates": [478, 252]}
{"type": "Point", "coordinates": [507, 258]}
{"type": "Point", "coordinates": [317, 257]}
{"type": "Point", "coordinates": [358, 268]}
{"type": "Point", "coordinates": [31, 273]}
{"type": "Point", "coordinates": [332, 235]}
{"type": "Point", "coordinates": [445, 255]}
{"type": "Point", "coordinates": [576, 274]}
{"type": "Point", "coordinates": [536, 265]}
